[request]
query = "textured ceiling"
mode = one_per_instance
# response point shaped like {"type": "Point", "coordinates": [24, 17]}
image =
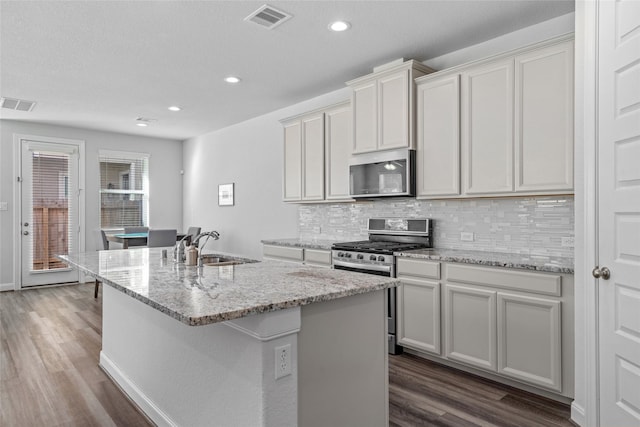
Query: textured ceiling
{"type": "Point", "coordinates": [102, 64]}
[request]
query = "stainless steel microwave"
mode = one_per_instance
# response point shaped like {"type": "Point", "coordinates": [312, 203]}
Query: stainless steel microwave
{"type": "Point", "coordinates": [383, 174]}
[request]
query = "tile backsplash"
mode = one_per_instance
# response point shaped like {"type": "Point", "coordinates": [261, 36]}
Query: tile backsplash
{"type": "Point", "coordinates": [532, 225]}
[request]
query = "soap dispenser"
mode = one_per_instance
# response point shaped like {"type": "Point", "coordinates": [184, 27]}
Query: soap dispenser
{"type": "Point", "coordinates": [191, 255]}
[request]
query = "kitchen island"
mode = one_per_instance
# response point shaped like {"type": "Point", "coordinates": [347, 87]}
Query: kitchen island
{"type": "Point", "coordinates": [252, 344]}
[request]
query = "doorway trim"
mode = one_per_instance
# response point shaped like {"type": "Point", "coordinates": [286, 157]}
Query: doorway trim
{"type": "Point", "coordinates": [17, 197]}
{"type": "Point", "coordinates": [585, 408]}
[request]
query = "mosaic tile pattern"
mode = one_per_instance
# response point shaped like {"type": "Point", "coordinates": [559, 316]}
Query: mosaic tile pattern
{"type": "Point", "coordinates": [523, 225]}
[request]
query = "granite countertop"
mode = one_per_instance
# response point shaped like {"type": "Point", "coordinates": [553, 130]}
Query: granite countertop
{"type": "Point", "coordinates": [494, 259]}
{"type": "Point", "coordinates": [301, 243]}
{"type": "Point", "coordinates": [199, 296]}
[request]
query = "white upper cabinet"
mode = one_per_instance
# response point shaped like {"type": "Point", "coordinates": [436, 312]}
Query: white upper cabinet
{"type": "Point", "coordinates": [337, 150]}
{"type": "Point", "coordinates": [438, 147]}
{"type": "Point", "coordinates": [504, 128]}
{"type": "Point", "coordinates": [393, 105]}
{"type": "Point", "coordinates": [544, 119]}
{"type": "Point", "coordinates": [316, 155]}
{"type": "Point", "coordinates": [365, 117]}
{"type": "Point", "coordinates": [292, 181]}
{"type": "Point", "coordinates": [383, 108]}
{"type": "Point", "coordinates": [313, 157]}
{"type": "Point", "coordinates": [487, 128]}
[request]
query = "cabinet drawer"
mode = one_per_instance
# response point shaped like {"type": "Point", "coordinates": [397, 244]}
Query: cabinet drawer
{"type": "Point", "coordinates": [283, 252]}
{"type": "Point", "coordinates": [539, 283]}
{"type": "Point", "coordinates": [317, 257]}
{"type": "Point", "coordinates": [418, 268]}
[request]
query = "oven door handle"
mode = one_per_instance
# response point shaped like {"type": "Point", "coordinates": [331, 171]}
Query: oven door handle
{"type": "Point", "coordinates": [374, 267]}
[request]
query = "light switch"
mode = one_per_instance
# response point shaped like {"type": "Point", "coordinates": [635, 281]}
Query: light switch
{"type": "Point", "coordinates": [4, 206]}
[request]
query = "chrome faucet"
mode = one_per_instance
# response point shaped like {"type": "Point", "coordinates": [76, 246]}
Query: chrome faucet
{"type": "Point", "coordinates": [178, 250]}
{"type": "Point", "coordinates": [208, 234]}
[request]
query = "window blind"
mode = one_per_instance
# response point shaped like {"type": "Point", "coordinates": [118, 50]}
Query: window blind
{"type": "Point", "coordinates": [124, 189]}
{"type": "Point", "coordinates": [53, 206]}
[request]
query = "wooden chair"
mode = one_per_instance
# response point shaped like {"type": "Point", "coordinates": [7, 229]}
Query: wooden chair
{"type": "Point", "coordinates": [159, 238]}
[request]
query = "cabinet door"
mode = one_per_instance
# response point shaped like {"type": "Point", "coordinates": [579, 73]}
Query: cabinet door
{"type": "Point", "coordinates": [313, 157]}
{"type": "Point", "coordinates": [544, 119]}
{"type": "Point", "coordinates": [419, 315]}
{"type": "Point", "coordinates": [292, 181]}
{"type": "Point", "coordinates": [470, 326]}
{"type": "Point", "coordinates": [364, 101]}
{"type": "Point", "coordinates": [529, 340]}
{"type": "Point", "coordinates": [393, 111]}
{"type": "Point", "coordinates": [487, 128]}
{"type": "Point", "coordinates": [438, 150]}
{"type": "Point", "coordinates": [337, 152]}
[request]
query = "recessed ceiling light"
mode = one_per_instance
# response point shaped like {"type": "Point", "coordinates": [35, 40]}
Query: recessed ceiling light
{"type": "Point", "coordinates": [142, 125]}
{"type": "Point", "coordinates": [339, 26]}
{"type": "Point", "coordinates": [174, 108]}
{"type": "Point", "coordinates": [232, 79]}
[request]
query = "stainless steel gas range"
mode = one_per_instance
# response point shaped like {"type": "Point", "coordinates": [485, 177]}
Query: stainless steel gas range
{"type": "Point", "coordinates": [375, 256]}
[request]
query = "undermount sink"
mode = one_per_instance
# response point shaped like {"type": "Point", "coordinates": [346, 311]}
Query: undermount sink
{"type": "Point", "coordinates": [215, 261]}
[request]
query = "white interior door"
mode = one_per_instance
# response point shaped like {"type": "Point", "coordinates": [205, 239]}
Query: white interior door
{"type": "Point", "coordinates": [619, 212]}
{"type": "Point", "coordinates": [49, 211]}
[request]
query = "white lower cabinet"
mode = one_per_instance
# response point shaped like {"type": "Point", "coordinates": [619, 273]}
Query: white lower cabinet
{"type": "Point", "coordinates": [419, 323]}
{"type": "Point", "coordinates": [511, 324]}
{"type": "Point", "coordinates": [529, 340]}
{"type": "Point", "coordinates": [315, 257]}
{"type": "Point", "coordinates": [470, 326]}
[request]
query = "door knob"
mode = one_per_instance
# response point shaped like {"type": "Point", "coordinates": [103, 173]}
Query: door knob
{"type": "Point", "coordinates": [601, 273]}
{"type": "Point", "coordinates": [26, 224]}
{"type": "Point", "coordinates": [26, 233]}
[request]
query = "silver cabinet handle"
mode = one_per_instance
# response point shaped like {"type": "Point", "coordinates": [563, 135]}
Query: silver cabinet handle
{"type": "Point", "coordinates": [26, 233]}
{"type": "Point", "coordinates": [26, 224]}
{"type": "Point", "coordinates": [601, 273]}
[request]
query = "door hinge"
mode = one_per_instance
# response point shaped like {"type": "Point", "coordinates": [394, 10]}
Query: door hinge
{"type": "Point", "coordinates": [19, 179]}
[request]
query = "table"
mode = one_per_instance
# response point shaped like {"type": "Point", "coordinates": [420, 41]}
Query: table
{"type": "Point", "coordinates": [134, 239]}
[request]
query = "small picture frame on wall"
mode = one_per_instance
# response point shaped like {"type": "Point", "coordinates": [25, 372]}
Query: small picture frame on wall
{"type": "Point", "coordinates": [225, 194]}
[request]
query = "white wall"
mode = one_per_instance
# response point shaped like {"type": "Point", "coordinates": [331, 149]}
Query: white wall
{"type": "Point", "coordinates": [165, 208]}
{"type": "Point", "coordinates": [250, 155]}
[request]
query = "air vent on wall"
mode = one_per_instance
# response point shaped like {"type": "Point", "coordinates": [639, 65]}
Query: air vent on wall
{"type": "Point", "coordinates": [16, 104]}
{"type": "Point", "coordinates": [268, 17]}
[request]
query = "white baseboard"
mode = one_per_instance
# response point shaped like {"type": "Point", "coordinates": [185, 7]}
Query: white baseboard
{"type": "Point", "coordinates": [145, 404]}
{"type": "Point", "coordinates": [7, 287]}
{"type": "Point", "coordinates": [578, 414]}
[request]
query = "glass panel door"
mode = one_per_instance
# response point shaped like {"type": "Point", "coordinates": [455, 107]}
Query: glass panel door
{"type": "Point", "coordinates": [49, 212]}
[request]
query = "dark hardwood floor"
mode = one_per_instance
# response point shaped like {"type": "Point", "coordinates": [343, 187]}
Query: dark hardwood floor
{"type": "Point", "coordinates": [424, 393]}
{"type": "Point", "coordinates": [50, 342]}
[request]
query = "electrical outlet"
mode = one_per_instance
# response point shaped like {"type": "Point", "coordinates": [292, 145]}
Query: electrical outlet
{"type": "Point", "coordinates": [566, 242]}
{"type": "Point", "coordinates": [466, 236]}
{"type": "Point", "coordinates": [283, 361]}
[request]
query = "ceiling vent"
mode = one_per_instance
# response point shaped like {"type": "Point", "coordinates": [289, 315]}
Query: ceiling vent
{"type": "Point", "coordinates": [16, 104]}
{"type": "Point", "coordinates": [145, 120]}
{"type": "Point", "coordinates": [268, 17]}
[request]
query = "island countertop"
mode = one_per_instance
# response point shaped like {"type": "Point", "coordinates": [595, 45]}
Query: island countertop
{"type": "Point", "coordinates": [199, 296]}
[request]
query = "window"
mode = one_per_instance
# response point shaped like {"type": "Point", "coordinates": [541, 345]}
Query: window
{"type": "Point", "coordinates": [124, 189]}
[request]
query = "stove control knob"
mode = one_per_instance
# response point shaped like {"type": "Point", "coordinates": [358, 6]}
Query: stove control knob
{"type": "Point", "coordinates": [372, 257]}
{"type": "Point", "coordinates": [340, 254]}
{"type": "Point", "coordinates": [347, 255]}
{"type": "Point", "coordinates": [380, 258]}
{"type": "Point", "coordinates": [360, 256]}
